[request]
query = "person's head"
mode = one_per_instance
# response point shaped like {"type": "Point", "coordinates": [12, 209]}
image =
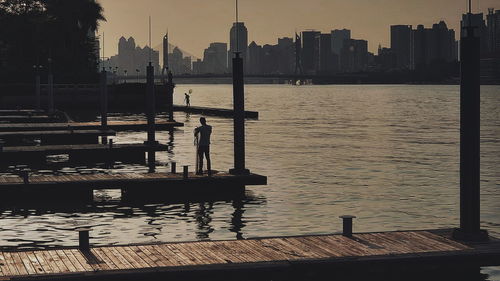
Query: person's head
{"type": "Point", "coordinates": [203, 121]}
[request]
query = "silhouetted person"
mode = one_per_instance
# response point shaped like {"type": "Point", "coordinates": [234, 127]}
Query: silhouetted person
{"type": "Point", "coordinates": [202, 134]}
{"type": "Point", "coordinates": [187, 100]}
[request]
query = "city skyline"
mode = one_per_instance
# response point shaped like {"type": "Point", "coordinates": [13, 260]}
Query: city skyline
{"type": "Point", "coordinates": [195, 29]}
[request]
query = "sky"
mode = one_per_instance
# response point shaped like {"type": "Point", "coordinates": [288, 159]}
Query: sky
{"type": "Point", "coordinates": [194, 24]}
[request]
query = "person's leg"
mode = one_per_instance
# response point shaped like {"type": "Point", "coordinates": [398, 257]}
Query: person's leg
{"type": "Point", "coordinates": [209, 163]}
{"type": "Point", "coordinates": [199, 169]}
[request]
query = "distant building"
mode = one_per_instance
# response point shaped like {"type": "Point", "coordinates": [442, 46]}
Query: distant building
{"type": "Point", "coordinates": [215, 58]}
{"type": "Point", "coordinates": [480, 29]}
{"type": "Point", "coordinates": [198, 67]}
{"type": "Point", "coordinates": [401, 45]}
{"type": "Point", "coordinates": [310, 51]}
{"type": "Point", "coordinates": [327, 62]}
{"type": "Point", "coordinates": [165, 52]}
{"type": "Point", "coordinates": [338, 38]}
{"type": "Point", "coordinates": [131, 57]}
{"type": "Point", "coordinates": [286, 55]}
{"type": "Point", "coordinates": [178, 63]}
{"type": "Point", "coordinates": [431, 45]}
{"type": "Point", "coordinates": [254, 59]}
{"type": "Point", "coordinates": [354, 55]}
{"type": "Point", "coordinates": [238, 42]}
{"type": "Point", "coordinates": [385, 59]}
{"type": "Point", "coordinates": [493, 21]}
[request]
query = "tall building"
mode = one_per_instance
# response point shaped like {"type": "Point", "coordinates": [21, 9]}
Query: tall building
{"type": "Point", "coordinates": [254, 59]}
{"type": "Point", "coordinates": [298, 55]}
{"type": "Point", "coordinates": [433, 45]}
{"type": "Point", "coordinates": [480, 29]}
{"type": "Point", "coordinates": [310, 51]}
{"type": "Point", "coordinates": [215, 58]}
{"type": "Point", "coordinates": [131, 57]}
{"type": "Point", "coordinates": [326, 59]}
{"type": "Point", "coordinates": [286, 55]}
{"type": "Point", "coordinates": [178, 63]}
{"type": "Point", "coordinates": [165, 51]}
{"type": "Point", "coordinates": [401, 43]}
{"type": "Point", "coordinates": [493, 20]}
{"type": "Point", "coordinates": [238, 42]}
{"type": "Point", "coordinates": [338, 38]}
{"type": "Point", "coordinates": [354, 55]}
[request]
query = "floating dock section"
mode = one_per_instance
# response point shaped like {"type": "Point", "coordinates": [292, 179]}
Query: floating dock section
{"type": "Point", "coordinates": [281, 257]}
{"type": "Point", "coordinates": [117, 126]}
{"type": "Point", "coordinates": [214, 111]}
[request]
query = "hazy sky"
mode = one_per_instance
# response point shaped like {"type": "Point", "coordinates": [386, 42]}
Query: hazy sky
{"type": "Point", "coordinates": [193, 24]}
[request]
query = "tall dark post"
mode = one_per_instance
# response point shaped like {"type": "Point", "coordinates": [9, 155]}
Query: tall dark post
{"type": "Point", "coordinates": [170, 96]}
{"type": "Point", "coordinates": [104, 102]}
{"type": "Point", "coordinates": [50, 90]}
{"type": "Point", "coordinates": [37, 87]}
{"type": "Point", "coordinates": [470, 137]}
{"type": "Point", "coordinates": [150, 98]}
{"type": "Point", "coordinates": [239, 117]}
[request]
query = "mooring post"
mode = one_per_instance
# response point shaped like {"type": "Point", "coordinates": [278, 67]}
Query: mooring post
{"type": "Point", "coordinates": [104, 102]}
{"type": "Point", "coordinates": [83, 239]}
{"type": "Point", "coordinates": [347, 225]}
{"type": "Point", "coordinates": [50, 90]}
{"type": "Point", "coordinates": [173, 167]}
{"type": "Point", "coordinates": [185, 172]}
{"type": "Point", "coordinates": [37, 86]}
{"type": "Point", "coordinates": [151, 114]}
{"type": "Point", "coordinates": [170, 97]}
{"type": "Point", "coordinates": [239, 117]}
{"type": "Point", "coordinates": [26, 177]}
{"type": "Point", "coordinates": [470, 97]}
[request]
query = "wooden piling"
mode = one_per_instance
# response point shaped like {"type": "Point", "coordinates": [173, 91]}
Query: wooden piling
{"type": "Point", "coordinates": [104, 102]}
{"type": "Point", "coordinates": [151, 114]}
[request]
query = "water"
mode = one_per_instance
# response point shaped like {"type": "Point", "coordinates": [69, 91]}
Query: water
{"type": "Point", "coordinates": [387, 154]}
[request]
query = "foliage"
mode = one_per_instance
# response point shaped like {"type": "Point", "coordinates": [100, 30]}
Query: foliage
{"type": "Point", "coordinates": [32, 31]}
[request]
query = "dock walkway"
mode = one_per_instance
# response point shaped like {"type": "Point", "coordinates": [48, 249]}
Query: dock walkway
{"type": "Point", "coordinates": [56, 137]}
{"type": "Point", "coordinates": [117, 126]}
{"type": "Point", "coordinates": [214, 111]}
{"type": "Point", "coordinates": [266, 256]}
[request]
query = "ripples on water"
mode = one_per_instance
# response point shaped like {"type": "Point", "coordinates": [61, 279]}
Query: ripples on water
{"type": "Point", "coordinates": [387, 154]}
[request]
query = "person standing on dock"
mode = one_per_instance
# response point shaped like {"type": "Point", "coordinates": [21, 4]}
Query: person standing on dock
{"type": "Point", "coordinates": [202, 135]}
{"type": "Point", "coordinates": [187, 99]}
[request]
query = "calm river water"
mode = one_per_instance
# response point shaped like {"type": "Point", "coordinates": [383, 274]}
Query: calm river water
{"type": "Point", "coordinates": [387, 154]}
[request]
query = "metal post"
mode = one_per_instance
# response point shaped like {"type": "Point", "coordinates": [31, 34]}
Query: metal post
{"type": "Point", "coordinates": [239, 117]}
{"type": "Point", "coordinates": [151, 114]}
{"type": "Point", "coordinates": [83, 239]}
{"type": "Point", "coordinates": [170, 96]}
{"type": "Point", "coordinates": [104, 102]}
{"type": "Point", "coordinates": [173, 167]}
{"type": "Point", "coordinates": [347, 225]}
{"type": "Point", "coordinates": [185, 172]}
{"type": "Point", "coordinates": [50, 91]}
{"type": "Point", "coordinates": [470, 137]}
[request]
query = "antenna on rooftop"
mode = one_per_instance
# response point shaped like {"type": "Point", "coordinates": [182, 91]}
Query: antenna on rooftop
{"type": "Point", "coordinates": [237, 30]}
{"type": "Point", "coordinates": [150, 48]}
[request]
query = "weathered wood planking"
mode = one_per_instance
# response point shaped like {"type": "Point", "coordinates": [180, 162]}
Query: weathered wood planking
{"type": "Point", "coordinates": [113, 125]}
{"type": "Point", "coordinates": [243, 255]}
{"type": "Point", "coordinates": [222, 112]}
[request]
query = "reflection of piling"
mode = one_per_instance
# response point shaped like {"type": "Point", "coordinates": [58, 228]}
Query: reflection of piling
{"type": "Point", "coordinates": [150, 98]}
{"type": "Point", "coordinates": [239, 117]}
{"type": "Point", "coordinates": [470, 137]}
{"type": "Point", "coordinates": [104, 103]}
{"type": "Point", "coordinates": [50, 91]}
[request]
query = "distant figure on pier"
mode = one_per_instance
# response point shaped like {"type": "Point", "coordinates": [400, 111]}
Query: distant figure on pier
{"type": "Point", "coordinates": [202, 139]}
{"type": "Point", "coordinates": [187, 99]}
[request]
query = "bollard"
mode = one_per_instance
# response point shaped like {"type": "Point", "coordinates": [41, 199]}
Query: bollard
{"type": "Point", "coordinates": [185, 172]}
{"type": "Point", "coordinates": [83, 239]}
{"type": "Point", "coordinates": [347, 225]}
{"type": "Point", "coordinates": [111, 144]}
{"type": "Point", "coordinates": [173, 167]}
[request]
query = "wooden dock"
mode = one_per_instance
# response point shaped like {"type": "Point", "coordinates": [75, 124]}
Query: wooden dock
{"type": "Point", "coordinates": [117, 126]}
{"type": "Point", "coordinates": [29, 119]}
{"type": "Point", "coordinates": [21, 112]}
{"type": "Point", "coordinates": [280, 257]}
{"type": "Point", "coordinates": [81, 153]}
{"type": "Point", "coordinates": [55, 137]}
{"type": "Point", "coordinates": [214, 111]}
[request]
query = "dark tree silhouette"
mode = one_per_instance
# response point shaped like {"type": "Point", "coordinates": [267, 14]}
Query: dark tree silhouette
{"type": "Point", "coordinates": [32, 31]}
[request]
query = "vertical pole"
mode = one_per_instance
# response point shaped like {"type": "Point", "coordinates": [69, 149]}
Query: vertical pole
{"type": "Point", "coordinates": [239, 117]}
{"type": "Point", "coordinates": [470, 137]}
{"type": "Point", "coordinates": [170, 97]}
{"type": "Point", "coordinates": [37, 87]}
{"type": "Point", "coordinates": [83, 239]}
{"type": "Point", "coordinates": [50, 91]}
{"type": "Point", "coordinates": [104, 102]}
{"type": "Point", "coordinates": [150, 97]}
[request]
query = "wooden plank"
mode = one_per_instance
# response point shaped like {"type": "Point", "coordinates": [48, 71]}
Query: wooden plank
{"type": "Point", "coordinates": [67, 262]}
{"type": "Point", "coordinates": [144, 257]}
{"type": "Point", "coordinates": [27, 263]}
{"type": "Point", "coordinates": [43, 263]}
{"type": "Point", "coordinates": [105, 262]}
{"type": "Point", "coordinates": [133, 260]}
{"type": "Point", "coordinates": [57, 260]}
{"type": "Point", "coordinates": [35, 263]}
{"type": "Point", "coordinates": [168, 255]}
{"type": "Point", "coordinates": [11, 264]}
{"type": "Point", "coordinates": [119, 260]}
{"type": "Point", "coordinates": [50, 261]}
{"type": "Point", "coordinates": [158, 259]}
{"type": "Point", "coordinates": [79, 267]}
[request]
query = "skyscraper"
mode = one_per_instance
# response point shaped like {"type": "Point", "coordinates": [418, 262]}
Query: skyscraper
{"type": "Point", "coordinates": [165, 51]}
{"type": "Point", "coordinates": [401, 45]}
{"type": "Point", "coordinates": [310, 51]}
{"type": "Point", "coordinates": [338, 38]}
{"type": "Point", "coordinates": [215, 58]}
{"type": "Point", "coordinates": [325, 54]}
{"type": "Point", "coordinates": [238, 42]}
{"type": "Point", "coordinates": [493, 20]}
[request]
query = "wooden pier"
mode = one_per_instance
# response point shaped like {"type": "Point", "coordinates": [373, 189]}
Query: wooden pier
{"type": "Point", "coordinates": [56, 137]}
{"type": "Point", "coordinates": [21, 112]}
{"type": "Point", "coordinates": [214, 111]}
{"type": "Point", "coordinates": [29, 119]}
{"type": "Point", "coordinates": [81, 153]}
{"type": "Point", "coordinates": [280, 257]}
{"type": "Point", "coordinates": [117, 126]}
